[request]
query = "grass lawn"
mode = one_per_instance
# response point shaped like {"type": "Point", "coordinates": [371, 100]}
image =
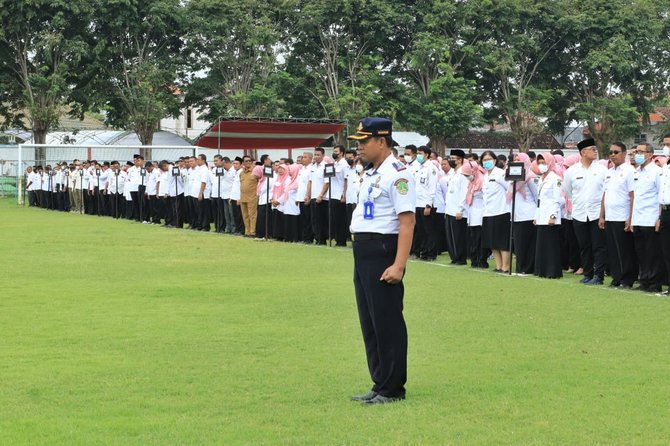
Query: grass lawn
{"type": "Point", "coordinates": [113, 332]}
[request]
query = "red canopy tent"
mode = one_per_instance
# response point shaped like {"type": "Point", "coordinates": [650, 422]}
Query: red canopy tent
{"type": "Point", "coordinates": [268, 133]}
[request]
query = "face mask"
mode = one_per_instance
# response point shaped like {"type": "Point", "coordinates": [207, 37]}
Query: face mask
{"type": "Point", "coordinates": [335, 156]}
{"type": "Point", "coordinates": [639, 159]}
{"type": "Point", "coordinates": [543, 168]}
{"type": "Point", "coordinates": [666, 150]}
{"type": "Point", "coordinates": [452, 164]}
{"type": "Point", "coordinates": [488, 164]}
{"type": "Point", "coordinates": [419, 158]}
{"type": "Point", "coordinates": [408, 158]}
{"type": "Point", "coordinates": [350, 162]}
{"type": "Point", "coordinates": [359, 168]}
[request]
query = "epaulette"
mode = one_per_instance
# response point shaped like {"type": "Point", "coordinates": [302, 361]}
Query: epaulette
{"type": "Point", "coordinates": [399, 167]}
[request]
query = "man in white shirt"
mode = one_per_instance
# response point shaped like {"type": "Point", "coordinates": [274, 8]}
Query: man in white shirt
{"type": "Point", "coordinates": [136, 187]}
{"type": "Point", "coordinates": [645, 221]}
{"type": "Point", "coordinates": [352, 182]}
{"type": "Point", "coordinates": [192, 185]}
{"type": "Point", "coordinates": [227, 181]}
{"type": "Point", "coordinates": [305, 217]}
{"type": "Point", "coordinates": [583, 186]}
{"type": "Point", "coordinates": [439, 204]}
{"type": "Point", "coordinates": [235, 194]}
{"type": "Point", "coordinates": [456, 211]}
{"type": "Point", "coordinates": [216, 175]}
{"type": "Point", "coordinates": [615, 218]}
{"type": "Point", "coordinates": [115, 183]}
{"type": "Point", "coordinates": [152, 214]}
{"type": "Point", "coordinates": [337, 202]}
{"type": "Point", "coordinates": [410, 158]}
{"type": "Point", "coordinates": [318, 196]}
{"type": "Point", "coordinates": [425, 178]}
{"type": "Point", "coordinates": [204, 194]}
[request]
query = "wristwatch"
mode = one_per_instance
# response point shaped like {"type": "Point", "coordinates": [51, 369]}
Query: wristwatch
{"type": "Point", "coordinates": [429, 206]}
{"type": "Point", "coordinates": [552, 217]}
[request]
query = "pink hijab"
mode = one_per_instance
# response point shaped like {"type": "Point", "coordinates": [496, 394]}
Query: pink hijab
{"type": "Point", "coordinates": [530, 175]}
{"type": "Point", "coordinates": [258, 173]}
{"type": "Point", "coordinates": [278, 188]}
{"type": "Point", "coordinates": [471, 168]}
{"type": "Point", "coordinates": [293, 172]}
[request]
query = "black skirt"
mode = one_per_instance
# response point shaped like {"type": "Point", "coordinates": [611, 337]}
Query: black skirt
{"type": "Point", "coordinates": [495, 232]}
{"type": "Point", "coordinates": [525, 238]}
{"type": "Point", "coordinates": [548, 252]}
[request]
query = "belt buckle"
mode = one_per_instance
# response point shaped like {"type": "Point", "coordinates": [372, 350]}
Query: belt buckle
{"type": "Point", "coordinates": [353, 237]}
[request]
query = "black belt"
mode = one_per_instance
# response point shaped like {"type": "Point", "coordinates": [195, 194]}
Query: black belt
{"type": "Point", "coordinates": [360, 236]}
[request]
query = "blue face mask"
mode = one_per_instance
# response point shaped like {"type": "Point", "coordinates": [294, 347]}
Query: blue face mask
{"type": "Point", "coordinates": [639, 159]}
{"type": "Point", "coordinates": [419, 158]}
{"type": "Point", "coordinates": [488, 164]}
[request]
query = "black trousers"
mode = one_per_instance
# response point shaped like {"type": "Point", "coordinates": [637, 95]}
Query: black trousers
{"type": "Point", "coordinates": [525, 238]}
{"type": "Point", "coordinates": [569, 247]}
{"type": "Point", "coordinates": [650, 257]}
{"type": "Point", "coordinates": [380, 307]}
{"type": "Point", "coordinates": [157, 208]}
{"type": "Point", "coordinates": [32, 198]}
{"type": "Point", "coordinates": [191, 216]}
{"type": "Point", "coordinates": [130, 209]}
{"type": "Point", "coordinates": [439, 229]}
{"type": "Point", "coordinates": [204, 214]}
{"type": "Point", "coordinates": [305, 223]}
{"type": "Point", "coordinates": [319, 216]}
{"type": "Point", "coordinates": [218, 215]}
{"type": "Point", "coordinates": [457, 239]}
{"type": "Point", "coordinates": [65, 201]}
{"type": "Point", "coordinates": [664, 235]}
{"type": "Point", "coordinates": [237, 214]}
{"type": "Point", "coordinates": [115, 204]}
{"type": "Point", "coordinates": [548, 252]}
{"type": "Point", "coordinates": [261, 215]}
{"type": "Point", "coordinates": [140, 204]}
{"type": "Point", "coordinates": [174, 211]}
{"type": "Point", "coordinates": [339, 222]}
{"type": "Point", "coordinates": [621, 253]}
{"type": "Point", "coordinates": [424, 235]}
{"type": "Point", "coordinates": [592, 247]}
{"type": "Point", "coordinates": [291, 228]}
{"type": "Point", "coordinates": [278, 220]}
{"type": "Point", "coordinates": [478, 255]}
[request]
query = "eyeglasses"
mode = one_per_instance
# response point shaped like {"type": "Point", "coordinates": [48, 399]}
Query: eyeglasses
{"type": "Point", "coordinates": [615, 152]}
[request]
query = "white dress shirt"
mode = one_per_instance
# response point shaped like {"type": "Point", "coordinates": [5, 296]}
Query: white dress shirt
{"type": "Point", "coordinates": [426, 184]}
{"type": "Point", "coordinates": [619, 183]}
{"type": "Point", "coordinates": [647, 181]}
{"type": "Point", "coordinates": [391, 188]}
{"type": "Point", "coordinates": [317, 179]}
{"type": "Point", "coordinates": [455, 203]}
{"type": "Point", "coordinates": [495, 193]}
{"type": "Point", "coordinates": [549, 199]}
{"type": "Point", "coordinates": [526, 202]}
{"type": "Point", "coordinates": [583, 186]}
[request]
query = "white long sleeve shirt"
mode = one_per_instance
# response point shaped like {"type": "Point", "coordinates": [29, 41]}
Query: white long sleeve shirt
{"type": "Point", "coordinates": [583, 186]}
{"type": "Point", "coordinates": [619, 183]}
{"type": "Point", "coordinates": [426, 184]}
{"type": "Point", "coordinates": [647, 186]}
{"type": "Point", "coordinates": [495, 193]}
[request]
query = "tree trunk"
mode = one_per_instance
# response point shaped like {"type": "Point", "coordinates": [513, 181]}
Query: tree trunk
{"type": "Point", "coordinates": [438, 145]}
{"type": "Point", "coordinates": [40, 137]}
{"type": "Point", "coordinates": [145, 132]}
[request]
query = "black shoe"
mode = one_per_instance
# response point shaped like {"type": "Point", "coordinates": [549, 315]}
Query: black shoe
{"type": "Point", "coordinates": [367, 397]}
{"type": "Point", "coordinates": [625, 286]}
{"type": "Point", "coordinates": [381, 399]}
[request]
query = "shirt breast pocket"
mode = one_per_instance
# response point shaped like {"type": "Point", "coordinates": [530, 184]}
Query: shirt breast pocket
{"type": "Point", "coordinates": [376, 192]}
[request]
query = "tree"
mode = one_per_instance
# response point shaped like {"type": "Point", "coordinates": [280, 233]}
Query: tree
{"type": "Point", "coordinates": [138, 55]}
{"type": "Point", "coordinates": [233, 50]}
{"type": "Point", "coordinates": [43, 48]}
{"type": "Point", "coordinates": [516, 58]}
{"type": "Point", "coordinates": [620, 67]}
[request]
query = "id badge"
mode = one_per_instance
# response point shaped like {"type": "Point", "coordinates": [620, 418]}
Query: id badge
{"type": "Point", "coordinates": [538, 202]}
{"type": "Point", "coordinates": [368, 210]}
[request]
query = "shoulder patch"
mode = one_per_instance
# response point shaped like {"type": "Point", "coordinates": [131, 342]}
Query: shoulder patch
{"type": "Point", "coordinates": [399, 167]}
{"type": "Point", "coordinates": [402, 186]}
{"type": "Point", "coordinates": [558, 182]}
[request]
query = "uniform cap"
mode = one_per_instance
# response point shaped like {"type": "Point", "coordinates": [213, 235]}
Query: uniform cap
{"type": "Point", "coordinates": [586, 143]}
{"type": "Point", "coordinates": [370, 127]}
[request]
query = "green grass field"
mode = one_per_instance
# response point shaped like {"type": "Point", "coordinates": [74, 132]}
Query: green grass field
{"type": "Point", "coordinates": [113, 332]}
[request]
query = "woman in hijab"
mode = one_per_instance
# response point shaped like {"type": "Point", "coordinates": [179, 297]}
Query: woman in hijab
{"type": "Point", "coordinates": [474, 199]}
{"type": "Point", "coordinates": [278, 201]}
{"type": "Point", "coordinates": [548, 218]}
{"type": "Point", "coordinates": [525, 204]}
{"type": "Point", "coordinates": [495, 225]}
{"type": "Point", "coordinates": [291, 205]}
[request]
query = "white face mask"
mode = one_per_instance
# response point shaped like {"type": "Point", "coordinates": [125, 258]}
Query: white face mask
{"type": "Point", "coordinates": [408, 158]}
{"type": "Point", "coordinates": [666, 150]}
{"type": "Point", "coordinates": [359, 168]}
{"type": "Point", "coordinates": [542, 168]}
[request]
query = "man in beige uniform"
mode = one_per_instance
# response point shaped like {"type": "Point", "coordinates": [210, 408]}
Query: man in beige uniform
{"type": "Point", "coordinates": [248, 198]}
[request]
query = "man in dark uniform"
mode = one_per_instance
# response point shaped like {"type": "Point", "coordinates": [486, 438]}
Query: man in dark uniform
{"type": "Point", "coordinates": [382, 227]}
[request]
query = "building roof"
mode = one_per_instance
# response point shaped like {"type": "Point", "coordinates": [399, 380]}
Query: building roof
{"type": "Point", "coordinates": [499, 141]}
{"type": "Point", "coordinates": [113, 138]}
{"type": "Point", "coordinates": [406, 138]}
